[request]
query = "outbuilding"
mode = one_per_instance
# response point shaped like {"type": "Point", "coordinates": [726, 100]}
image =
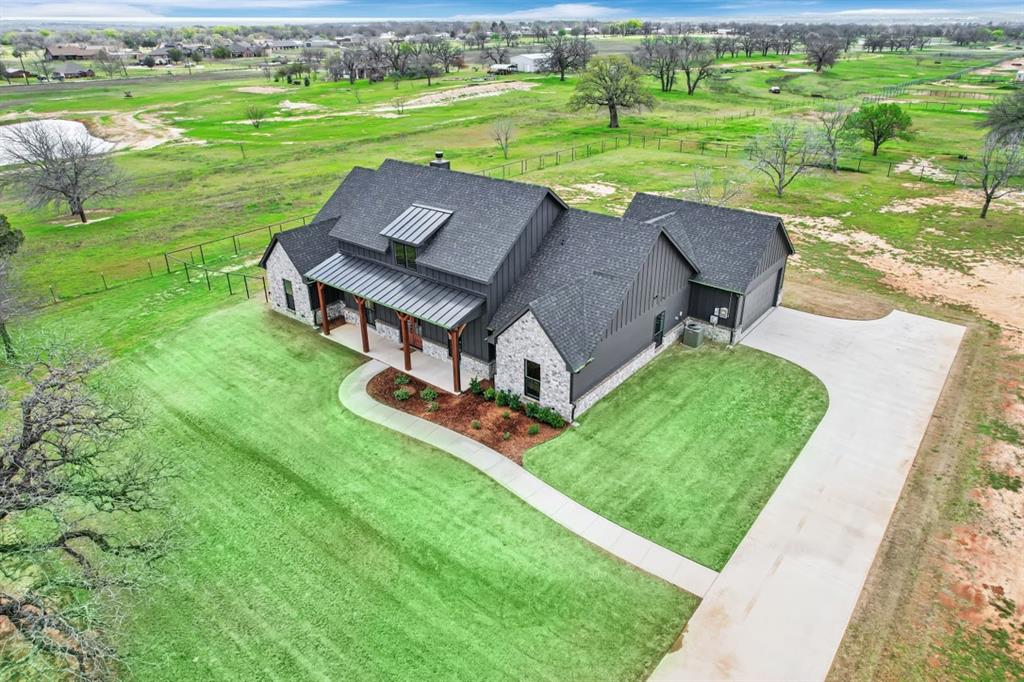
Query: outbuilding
{"type": "Point", "coordinates": [531, 62]}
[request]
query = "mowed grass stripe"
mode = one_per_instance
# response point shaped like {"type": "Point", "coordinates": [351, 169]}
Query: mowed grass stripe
{"type": "Point", "coordinates": [689, 449]}
{"type": "Point", "coordinates": [320, 536]}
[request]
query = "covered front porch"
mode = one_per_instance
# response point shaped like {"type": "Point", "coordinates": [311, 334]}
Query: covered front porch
{"type": "Point", "coordinates": [374, 288]}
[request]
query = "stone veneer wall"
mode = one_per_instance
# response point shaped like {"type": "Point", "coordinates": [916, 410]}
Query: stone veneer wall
{"type": "Point", "coordinates": [279, 268]}
{"type": "Point", "coordinates": [526, 340]}
{"type": "Point", "coordinates": [334, 311]}
{"type": "Point", "coordinates": [588, 399]}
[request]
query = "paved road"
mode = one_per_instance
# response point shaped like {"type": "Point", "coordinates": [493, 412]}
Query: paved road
{"type": "Point", "coordinates": [779, 608]}
{"type": "Point", "coordinates": [610, 537]}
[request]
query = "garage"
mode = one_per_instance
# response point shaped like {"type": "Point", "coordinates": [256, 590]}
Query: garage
{"type": "Point", "coordinates": [761, 299]}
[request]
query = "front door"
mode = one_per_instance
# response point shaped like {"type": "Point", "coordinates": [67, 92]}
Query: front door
{"type": "Point", "coordinates": [659, 329]}
{"type": "Point", "coordinates": [415, 333]}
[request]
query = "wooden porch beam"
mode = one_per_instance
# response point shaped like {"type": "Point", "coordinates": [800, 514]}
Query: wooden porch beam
{"type": "Point", "coordinates": [325, 326]}
{"type": "Point", "coordinates": [403, 320]}
{"type": "Point", "coordinates": [361, 304]}
{"type": "Point", "coordinates": [453, 340]}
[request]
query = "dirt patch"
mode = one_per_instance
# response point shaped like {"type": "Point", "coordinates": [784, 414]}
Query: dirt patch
{"type": "Point", "coordinates": [142, 129]}
{"type": "Point", "coordinates": [994, 288]}
{"type": "Point", "coordinates": [261, 90]}
{"type": "Point", "coordinates": [961, 198]}
{"type": "Point", "coordinates": [924, 168]}
{"type": "Point", "coordinates": [458, 412]}
{"type": "Point", "coordinates": [446, 97]}
{"type": "Point", "coordinates": [1007, 65]}
{"type": "Point", "coordinates": [288, 105]}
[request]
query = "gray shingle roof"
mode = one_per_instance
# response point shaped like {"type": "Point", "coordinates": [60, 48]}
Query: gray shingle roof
{"type": "Point", "coordinates": [306, 246]}
{"type": "Point", "coordinates": [424, 299]}
{"type": "Point", "coordinates": [577, 280]}
{"type": "Point", "coordinates": [727, 243]}
{"type": "Point", "coordinates": [488, 215]}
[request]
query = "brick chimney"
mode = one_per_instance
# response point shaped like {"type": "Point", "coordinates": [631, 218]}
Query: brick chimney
{"type": "Point", "coordinates": [440, 162]}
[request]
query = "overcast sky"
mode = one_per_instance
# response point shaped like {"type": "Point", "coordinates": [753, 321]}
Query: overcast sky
{"type": "Point", "coordinates": [262, 11]}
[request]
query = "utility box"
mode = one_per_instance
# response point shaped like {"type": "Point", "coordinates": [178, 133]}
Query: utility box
{"type": "Point", "coordinates": [693, 335]}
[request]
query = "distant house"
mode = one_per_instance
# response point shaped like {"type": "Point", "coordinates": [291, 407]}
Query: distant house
{"type": "Point", "coordinates": [71, 52]}
{"type": "Point", "coordinates": [237, 50]}
{"type": "Point", "coordinates": [530, 63]}
{"type": "Point", "coordinates": [506, 282]}
{"type": "Point", "coordinates": [69, 70]}
{"type": "Point", "coordinates": [280, 45]}
{"type": "Point", "coordinates": [19, 73]}
{"type": "Point", "coordinates": [320, 43]}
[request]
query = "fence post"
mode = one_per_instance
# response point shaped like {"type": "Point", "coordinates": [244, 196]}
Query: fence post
{"type": "Point", "coordinates": [727, 151]}
{"type": "Point", "coordinates": [150, 266]}
{"type": "Point", "coordinates": [52, 294]}
{"type": "Point", "coordinates": [234, 243]}
{"type": "Point", "coordinates": [245, 281]}
{"type": "Point", "coordinates": [889, 172]}
{"type": "Point", "coordinates": [188, 278]}
{"type": "Point", "coordinates": [858, 164]}
{"type": "Point", "coordinates": [104, 281]}
{"type": "Point", "coordinates": [207, 273]}
{"type": "Point", "coordinates": [266, 296]}
{"type": "Point", "coordinates": [230, 291]}
{"type": "Point", "coordinates": [202, 256]}
{"type": "Point", "coordinates": [167, 262]}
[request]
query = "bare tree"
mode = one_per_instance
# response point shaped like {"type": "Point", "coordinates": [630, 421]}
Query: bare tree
{"type": "Point", "coordinates": [836, 136]}
{"type": "Point", "coordinates": [566, 53]}
{"type": "Point", "coordinates": [695, 60]}
{"type": "Point", "coordinates": [445, 52]}
{"type": "Point", "coordinates": [56, 167]}
{"type": "Point", "coordinates": [999, 169]}
{"type": "Point", "coordinates": [717, 193]}
{"type": "Point", "coordinates": [495, 53]}
{"type": "Point", "coordinates": [822, 50]}
{"type": "Point", "coordinates": [784, 152]}
{"type": "Point", "coordinates": [659, 56]}
{"type": "Point", "coordinates": [255, 113]}
{"type": "Point", "coordinates": [108, 63]}
{"type": "Point", "coordinates": [398, 104]}
{"type": "Point", "coordinates": [63, 460]}
{"type": "Point", "coordinates": [502, 132]}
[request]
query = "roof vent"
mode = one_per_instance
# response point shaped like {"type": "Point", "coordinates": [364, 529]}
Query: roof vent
{"type": "Point", "coordinates": [439, 161]}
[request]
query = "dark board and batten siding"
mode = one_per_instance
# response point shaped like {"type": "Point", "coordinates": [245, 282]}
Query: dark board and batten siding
{"type": "Point", "coordinates": [774, 256]}
{"type": "Point", "coordinates": [704, 300]}
{"type": "Point", "coordinates": [661, 285]}
{"type": "Point", "coordinates": [763, 292]}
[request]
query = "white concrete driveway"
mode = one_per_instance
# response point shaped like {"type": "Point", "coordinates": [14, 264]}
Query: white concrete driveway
{"type": "Point", "coordinates": [779, 608]}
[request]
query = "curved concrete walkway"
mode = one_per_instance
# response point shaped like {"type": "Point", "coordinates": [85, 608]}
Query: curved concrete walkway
{"type": "Point", "coordinates": [614, 539]}
{"type": "Point", "coordinates": [780, 607]}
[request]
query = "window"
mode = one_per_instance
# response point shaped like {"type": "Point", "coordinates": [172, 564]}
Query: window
{"type": "Point", "coordinates": [531, 380]}
{"type": "Point", "coordinates": [659, 328]}
{"type": "Point", "coordinates": [405, 255]}
{"type": "Point", "coordinates": [289, 295]}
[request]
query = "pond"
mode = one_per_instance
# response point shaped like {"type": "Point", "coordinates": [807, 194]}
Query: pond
{"type": "Point", "coordinates": [57, 128]}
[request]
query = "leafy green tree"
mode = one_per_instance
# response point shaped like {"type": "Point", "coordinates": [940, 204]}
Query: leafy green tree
{"type": "Point", "coordinates": [612, 82]}
{"type": "Point", "coordinates": [1005, 118]}
{"type": "Point", "coordinates": [879, 123]}
{"type": "Point", "coordinates": [10, 241]}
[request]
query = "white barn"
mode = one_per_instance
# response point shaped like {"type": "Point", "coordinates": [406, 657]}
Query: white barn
{"type": "Point", "coordinates": [529, 63]}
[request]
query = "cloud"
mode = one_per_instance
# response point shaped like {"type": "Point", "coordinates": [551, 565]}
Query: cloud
{"type": "Point", "coordinates": [569, 10]}
{"type": "Point", "coordinates": [899, 11]}
{"type": "Point", "coordinates": [146, 9]}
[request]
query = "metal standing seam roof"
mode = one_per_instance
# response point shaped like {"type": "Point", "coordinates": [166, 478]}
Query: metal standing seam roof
{"type": "Point", "coordinates": [424, 299]}
{"type": "Point", "coordinates": [416, 224]}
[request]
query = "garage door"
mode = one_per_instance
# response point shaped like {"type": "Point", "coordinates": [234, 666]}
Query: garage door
{"type": "Point", "coordinates": [760, 299]}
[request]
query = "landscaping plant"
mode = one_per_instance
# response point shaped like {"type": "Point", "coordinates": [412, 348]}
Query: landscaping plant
{"type": "Point", "coordinates": [429, 394]}
{"type": "Point", "coordinates": [401, 394]}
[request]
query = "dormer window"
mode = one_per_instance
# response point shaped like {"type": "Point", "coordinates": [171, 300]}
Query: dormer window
{"type": "Point", "coordinates": [405, 255]}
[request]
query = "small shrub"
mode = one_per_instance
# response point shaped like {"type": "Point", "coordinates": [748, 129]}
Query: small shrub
{"type": "Point", "coordinates": [531, 409]}
{"type": "Point", "coordinates": [506, 414]}
{"type": "Point", "coordinates": [401, 394]}
{"type": "Point", "coordinates": [514, 401]}
{"type": "Point", "coordinates": [490, 394]}
{"type": "Point", "coordinates": [501, 399]}
{"type": "Point", "coordinates": [475, 424]}
{"type": "Point", "coordinates": [534, 429]}
{"type": "Point", "coordinates": [429, 394]}
{"type": "Point", "coordinates": [506, 435]}
{"type": "Point", "coordinates": [475, 387]}
{"type": "Point", "coordinates": [434, 406]}
{"type": "Point", "coordinates": [401, 379]}
{"type": "Point", "coordinates": [550, 417]}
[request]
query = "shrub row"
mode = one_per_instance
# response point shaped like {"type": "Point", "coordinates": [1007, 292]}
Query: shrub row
{"type": "Point", "coordinates": [531, 409]}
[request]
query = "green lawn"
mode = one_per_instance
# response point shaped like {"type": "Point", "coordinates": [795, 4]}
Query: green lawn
{"type": "Point", "coordinates": [690, 448]}
{"type": "Point", "coordinates": [317, 545]}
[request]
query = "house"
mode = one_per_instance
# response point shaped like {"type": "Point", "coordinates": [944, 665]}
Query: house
{"type": "Point", "coordinates": [243, 49]}
{"type": "Point", "coordinates": [71, 52]}
{"type": "Point", "coordinates": [321, 43]}
{"type": "Point", "coordinates": [530, 63]}
{"type": "Point", "coordinates": [69, 70]}
{"type": "Point", "coordinates": [279, 45]}
{"type": "Point", "coordinates": [505, 282]}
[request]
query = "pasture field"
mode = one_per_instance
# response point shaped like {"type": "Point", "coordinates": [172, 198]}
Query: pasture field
{"type": "Point", "coordinates": [487, 588]}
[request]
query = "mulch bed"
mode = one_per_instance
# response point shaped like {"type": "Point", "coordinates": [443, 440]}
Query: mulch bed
{"type": "Point", "coordinates": [457, 412]}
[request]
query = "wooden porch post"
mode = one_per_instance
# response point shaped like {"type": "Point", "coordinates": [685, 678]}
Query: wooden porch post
{"type": "Point", "coordinates": [361, 304]}
{"type": "Point", "coordinates": [403, 320]}
{"type": "Point", "coordinates": [325, 327]}
{"type": "Point", "coordinates": [453, 339]}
